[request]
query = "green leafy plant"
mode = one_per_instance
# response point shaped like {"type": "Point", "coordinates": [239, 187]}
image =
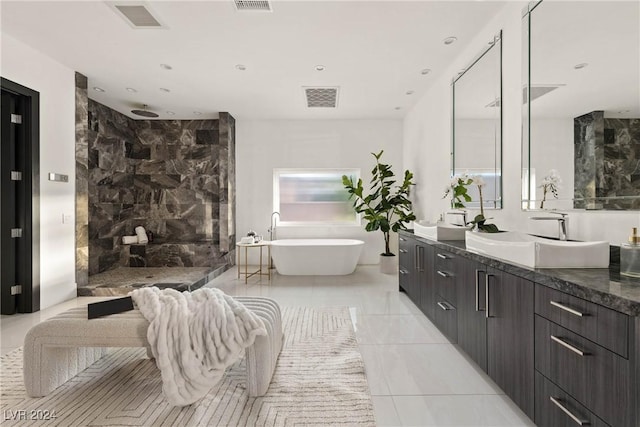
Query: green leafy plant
{"type": "Point", "coordinates": [459, 195]}
{"type": "Point", "coordinates": [387, 207]}
{"type": "Point", "coordinates": [458, 190]}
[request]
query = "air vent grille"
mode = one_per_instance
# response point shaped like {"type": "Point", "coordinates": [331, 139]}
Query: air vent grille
{"type": "Point", "coordinates": [538, 91]}
{"type": "Point", "coordinates": [138, 16]}
{"type": "Point", "coordinates": [321, 97]}
{"type": "Point", "coordinates": [253, 5]}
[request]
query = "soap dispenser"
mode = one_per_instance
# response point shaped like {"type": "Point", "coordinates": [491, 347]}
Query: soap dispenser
{"type": "Point", "coordinates": [630, 255]}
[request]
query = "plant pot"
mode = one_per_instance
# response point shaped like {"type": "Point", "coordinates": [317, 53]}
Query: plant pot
{"type": "Point", "coordinates": [388, 264]}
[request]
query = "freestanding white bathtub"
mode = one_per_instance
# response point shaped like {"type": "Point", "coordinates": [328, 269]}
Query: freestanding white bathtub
{"type": "Point", "coordinates": [316, 257]}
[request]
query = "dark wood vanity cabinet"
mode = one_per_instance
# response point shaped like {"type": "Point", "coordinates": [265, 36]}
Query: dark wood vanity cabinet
{"type": "Point", "coordinates": [415, 271]}
{"type": "Point", "coordinates": [472, 321]}
{"type": "Point", "coordinates": [562, 359]}
{"type": "Point", "coordinates": [582, 353]}
{"type": "Point", "coordinates": [444, 279]}
{"type": "Point", "coordinates": [509, 313]}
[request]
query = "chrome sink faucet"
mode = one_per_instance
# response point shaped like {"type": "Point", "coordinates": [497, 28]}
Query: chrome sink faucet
{"type": "Point", "coordinates": [272, 226]}
{"type": "Point", "coordinates": [563, 223]}
{"type": "Point", "coordinates": [463, 213]}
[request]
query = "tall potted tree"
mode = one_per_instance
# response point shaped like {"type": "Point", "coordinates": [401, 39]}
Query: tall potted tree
{"type": "Point", "coordinates": [387, 206]}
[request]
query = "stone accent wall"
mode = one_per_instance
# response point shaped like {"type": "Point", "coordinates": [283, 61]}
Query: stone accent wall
{"type": "Point", "coordinates": [82, 188]}
{"type": "Point", "coordinates": [606, 162]}
{"type": "Point", "coordinates": [165, 176]}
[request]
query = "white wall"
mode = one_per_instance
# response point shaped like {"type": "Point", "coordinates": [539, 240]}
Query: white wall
{"type": "Point", "coordinates": [427, 139]}
{"type": "Point", "coordinates": [265, 145]}
{"type": "Point", "coordinates": [56, 84]}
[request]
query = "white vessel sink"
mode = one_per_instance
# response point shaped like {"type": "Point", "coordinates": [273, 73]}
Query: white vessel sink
{"type": "Point", "coordinates": [538, 252]}
{"type": "Point", "coordinates": [439, 231]}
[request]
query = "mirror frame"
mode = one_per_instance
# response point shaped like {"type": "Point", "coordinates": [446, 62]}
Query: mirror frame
{"type": "Point", "coordinates": [495, 42]}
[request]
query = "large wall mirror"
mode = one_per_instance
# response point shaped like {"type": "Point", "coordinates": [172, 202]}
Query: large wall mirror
{"type": "Point", "coordinates": [581, 105]}
{"type": "Point", "coordinates": [477, 124]}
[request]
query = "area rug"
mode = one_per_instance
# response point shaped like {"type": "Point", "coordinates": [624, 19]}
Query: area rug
{"type": "Point", "coordinates": [319, 380]}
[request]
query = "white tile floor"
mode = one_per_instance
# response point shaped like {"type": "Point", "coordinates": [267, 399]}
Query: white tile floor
{"type": "Point", "coordinates": [416, 377]}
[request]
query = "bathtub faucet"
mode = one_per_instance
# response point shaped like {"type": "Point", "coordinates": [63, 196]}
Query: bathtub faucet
{"type": "Point", "coordinates": [272, 226]}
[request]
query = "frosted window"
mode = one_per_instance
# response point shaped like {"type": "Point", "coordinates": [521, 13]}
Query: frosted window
{"type": "Point", "coordinates": [314, 196]}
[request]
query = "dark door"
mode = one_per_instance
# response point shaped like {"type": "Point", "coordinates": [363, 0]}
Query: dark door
{"type": "Point", "coordinates": [18, 225]}
{"type": "Point", "coordinates": [509, 310]}
{"type": "Point", "coordinates": [472, 323]}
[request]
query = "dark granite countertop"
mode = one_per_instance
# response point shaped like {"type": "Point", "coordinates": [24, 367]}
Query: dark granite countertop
{"type": "Point", "coordinates": [604, 286]}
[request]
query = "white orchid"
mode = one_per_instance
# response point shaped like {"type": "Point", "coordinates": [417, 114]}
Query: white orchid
{"type": "Point", "coordinates": [478, 180]}
{"type": "Point", "coordinates": [550, 183]}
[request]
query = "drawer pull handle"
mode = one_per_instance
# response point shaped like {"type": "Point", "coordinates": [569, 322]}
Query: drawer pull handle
{"type": "Point", "coordinates": [565, 308]}
{"type": "Point", "coordinates": [569, 346]}
{"type": "Point", "coordinates": [442, 273]}
{"type": "Point", "coordinates": [402, 271]}
{"type": "Point", "coordinates": [445, 306]}
{"type": "Point", "coordinates": [403, 251]}
{"type": "Point", "coordinates": [403, 240]}
{"type": "Point", "coordinates": [443, 256]}
{"type": "Point", "coordinates": [568, 412]}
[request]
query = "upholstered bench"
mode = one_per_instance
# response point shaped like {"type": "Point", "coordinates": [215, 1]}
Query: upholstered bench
{"type": "Point", "coordinates": [59, 348]}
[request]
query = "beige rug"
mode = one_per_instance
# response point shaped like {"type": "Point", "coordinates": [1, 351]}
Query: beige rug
{"type": "Point", "coordinates": [319, 380]}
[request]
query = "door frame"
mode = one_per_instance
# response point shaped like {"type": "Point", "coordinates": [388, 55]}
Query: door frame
{"type": "Point", "coordinates": [29, 299]}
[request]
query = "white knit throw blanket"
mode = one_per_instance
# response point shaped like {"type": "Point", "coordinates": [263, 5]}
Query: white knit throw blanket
{"type": "Point", "coordinates": [194, 337]}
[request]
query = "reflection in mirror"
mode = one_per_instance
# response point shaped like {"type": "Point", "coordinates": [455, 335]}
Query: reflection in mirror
{"type": "Point", "coordinates": [582, 105]}
{"type": "Point", "coordinates": [477, 125]}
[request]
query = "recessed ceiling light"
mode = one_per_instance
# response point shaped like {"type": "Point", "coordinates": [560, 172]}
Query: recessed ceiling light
{"type": "Point", "coordinates": [166, 66]}
{"type": "Point", "coordinates": [164, 89]}
{"type": "Point", "coordinates": [398, 108]}
{"type": "Point", "coordinates": [132, 90]}
{"type": "Point", "coordinates": [425, 71]}
{"type": "Point", "coordinates": [241, 67]}
{"type": "Point", "coordinates": [410, 92]}
{"type": "Point", "coordinates": [197, 113]}
{"type": "Point", "coordinates": [624, 111]}
{"type": "Point", "coordinates": [98, 89]}
{"type": "Point", "coordinates": [171, 113]}
{"type": "Point", "coordinates": [580, 66]}
{"type": "Point", "coordinates": [450, 40]}
{"type": "Point", "coordinates": [319, 67]}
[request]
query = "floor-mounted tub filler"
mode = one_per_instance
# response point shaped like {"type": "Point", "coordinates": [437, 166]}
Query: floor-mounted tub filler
{"type": "Point", "coordinates": [316, 257]}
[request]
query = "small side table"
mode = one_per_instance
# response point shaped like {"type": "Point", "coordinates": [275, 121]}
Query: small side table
{"type": "Point", "coordinates": [259, 271]}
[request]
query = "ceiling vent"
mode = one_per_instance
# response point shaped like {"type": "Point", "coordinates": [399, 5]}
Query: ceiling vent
{"type": "Point", "coordinates": [137, 15]}
{"type": "Point", "coordinates": [253, 5]}
{"type": "Point", "coordinates": [538, 90]}
{"type": "Point", "coordinates": [321, 97]}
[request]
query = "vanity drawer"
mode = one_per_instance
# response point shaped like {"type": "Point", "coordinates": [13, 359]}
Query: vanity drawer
{"type": "Point", "coordinates": [445, 275]}
{"type": "Point", "coordinates": [602, 325]}
{"type": "Point", "coordinates": [555, 408]}
{"type": "Point", "coordinates": [596, 377]}
{"type": "Point", "coordinates": [405, 248]}
{"type": "Point", "coordinates": [446, 318]}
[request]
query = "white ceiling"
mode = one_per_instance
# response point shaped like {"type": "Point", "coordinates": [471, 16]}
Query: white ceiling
{"type": "Point", "coordinates": [373, 50]}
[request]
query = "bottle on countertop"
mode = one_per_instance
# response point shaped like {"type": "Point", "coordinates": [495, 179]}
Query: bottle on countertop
{"type": "Point", "coordinates": [630, 255]}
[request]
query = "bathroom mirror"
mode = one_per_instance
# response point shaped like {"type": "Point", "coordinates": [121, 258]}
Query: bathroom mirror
{"type": "Point", "coordinates": [477, 124]}
{"type": "Point", "coordinates": [581, 104]}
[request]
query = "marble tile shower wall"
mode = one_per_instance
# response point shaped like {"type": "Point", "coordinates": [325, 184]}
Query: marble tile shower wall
{"type": "Point", "coordinates": [82, 173]}
{"type": "Point", "coordinates": [163, 175]}
{"type": "Point", "coordinates": [606, 160]}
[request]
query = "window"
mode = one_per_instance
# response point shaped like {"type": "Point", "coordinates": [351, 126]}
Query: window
{"type": "Point", "coordinates": [313, 196]}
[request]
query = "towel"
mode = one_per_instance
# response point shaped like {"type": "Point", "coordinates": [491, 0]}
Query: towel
{"type": "Point", "coordinates": [129, 240]}
{"type": "Point", "coordinates": [194, 337]}
{"type": "Point", "coordinates": [142, 234]}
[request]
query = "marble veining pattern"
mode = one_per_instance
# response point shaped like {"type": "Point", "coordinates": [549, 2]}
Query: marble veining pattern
{"type": "Point", "coordinates": [82, 173]}
{"type": "Point", "coordinates": [604, 286]}
{"type": "Point", "coordinates": [122, 280]}
{"type": "Point", "coordinates": [606, 162]}
{"type": "Point", "coordinates": [166, 175]}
